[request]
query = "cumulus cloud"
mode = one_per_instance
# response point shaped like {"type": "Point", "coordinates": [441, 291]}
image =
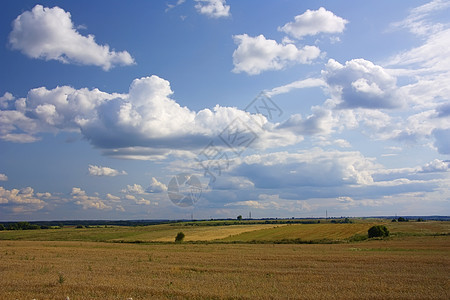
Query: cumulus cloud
{"type": "Point", "coordinates": [213, 8]}
{"type": "Point", "coordinates": [362, 84]}
{"type": "Point", "coordinates": [156, 186]}
{"type": "Point", "coordinates": [22, 196]}
{"type": "Point", "coordinates": [436, 166]}
{"type": "Point", "coordinates": [88, 202]}
{"type": "Point", "coordinates": [312, 168]}
{"type": "Point", "coordinates": [112, 198]}
{"type": "Point", "coordinates": [3, 177]}
{"type": "Point", "coordinates": [319, 122]}
{"type": "Point", "coordinates": [6, 100]}
{"type": "Point", "coordinates": [142, 201]}
{"type": "Point", "coordinates": [313, 22]}
{"type": "Point", "coordinates": [49, 33]}
{"type": "Point", "coordinates": [104, 171]}
{"type": "Point", "coordinates": [134, 189]}
{"type": "Point", "coordinates": [258, 54]}
{"type": "Point", "coordinates": [22, 201]}
{"type": "Point", "coordinates": [146, 123]}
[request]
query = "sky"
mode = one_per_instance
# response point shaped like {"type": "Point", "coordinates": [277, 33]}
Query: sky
{"type": "Point", "coordinates": [218, 108]}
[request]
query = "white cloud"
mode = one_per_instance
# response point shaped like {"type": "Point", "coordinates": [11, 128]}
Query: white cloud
{"type": "Point", "coordinates": [313, 168]}
{"type": "Point", "coordinates": [156, 186]}
{"type": "Point", "coordinates": [436, 166]}
{"type": "Point", "coordinates": [171, 6]}
{"type": "Point", "coordinates": [213, 8]}
{"type": "Point", "coordinates": [361, 83]}
{"type": "Point", "coordinates": [257, 54]}
{"type": "Point", "coordinates": [248, 203]}
{"type": "Point", "coordinates": [22, 196]}
{"type": "Point", "coordinates": [232, 183]}
{"type": "Point", "coordinates": [428, 64]}
{"type": "Point", "coordinates": [313, 22]}
{"type": "Point", "coordinates": [5, 100]}
{"type": "Point", "coordinates": [299, 84]}
{"type": "Point", "coordinates": [112, 198]}
{"type": "Point", "coordinates": [142, 201]}
{"type": "Point", "coordinates": [87, 202]}
{"type": "Point", "coordinates": [104, 171]}
{"type": "Point", "coordinates": [48, 33]}
{"type": "Point", "coordinates": [120, 208]}
{"type": "Point", "coordinates": [130, 197]}
{"type": "Point", "coordinates": [23, 200]}
{"type": "Point", "coordinates": [319, 122]}
{"type": "Point", "coordinates": [143, 124]}
{"type": "Point", "coordinates": [417, 21]}
{"type": "Point", "coordinates": [134, 189]}
{"type": "Point", "coordinates": [3, 177]}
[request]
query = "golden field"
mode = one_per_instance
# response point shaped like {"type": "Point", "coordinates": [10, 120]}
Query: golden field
{"type": "Point", "coordinates": [414, 264]}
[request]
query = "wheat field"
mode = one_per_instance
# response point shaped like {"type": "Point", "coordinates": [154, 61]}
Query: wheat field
{"type": "Point", "coordinates": [413, 267]}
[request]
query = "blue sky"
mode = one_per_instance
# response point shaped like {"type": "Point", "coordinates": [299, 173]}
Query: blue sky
{"type": "Point", "coordinates": [214, 108]}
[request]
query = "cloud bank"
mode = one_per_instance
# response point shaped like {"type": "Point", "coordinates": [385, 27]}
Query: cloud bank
{"type": "Point", "coordinates": [143, 124]}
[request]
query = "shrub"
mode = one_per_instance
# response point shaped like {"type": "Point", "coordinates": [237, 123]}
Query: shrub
{"type": "Point", "coordinates": [61, 278]}
{"type": "Point", "coordinates": [2, 227]}
{"type": "Point", "coordinates": [80, 226]}
{"type": "Point", "coordinates": [401, 219]}
{"type": "Point", "coordinates": [378, 231]}
{"type": "Point", "coordinates": [180, 237]}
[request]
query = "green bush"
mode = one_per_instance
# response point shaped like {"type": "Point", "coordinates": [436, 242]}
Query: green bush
{"type": "Point", "coordinates": [378, 231]}
{"type": "Point", "coordinates": [180, 237]}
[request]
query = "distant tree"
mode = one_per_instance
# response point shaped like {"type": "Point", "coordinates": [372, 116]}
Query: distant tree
{"type": "Point", "coordinates": [347, 220]}
{"type": "Point", "coordinates": [180, 237]}
{"type": "Point", "coordinates": [2, 227]}
{"type": "Point", "coordinates": [80, 226]}
{"type": "Point", "coordinates": [401, 219]}
{"type": "Point", "coordinates": [378, 231]}
{"type": "Point", "coordinates": [239, 218]}
{"type": "Point", "coordinates": [394, 220]}
{"type": "Point", "coordinates": [420, 220]}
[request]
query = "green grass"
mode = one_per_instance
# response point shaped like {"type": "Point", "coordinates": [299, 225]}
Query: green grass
{"type": "Point", "coordinates": [152, 233]}
{"type": "Point", "coordinates": [210, 232]}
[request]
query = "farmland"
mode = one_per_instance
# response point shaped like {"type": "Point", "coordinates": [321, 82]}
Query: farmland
{"type": "Point", "coordinates": [91, 263]}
